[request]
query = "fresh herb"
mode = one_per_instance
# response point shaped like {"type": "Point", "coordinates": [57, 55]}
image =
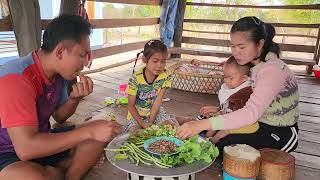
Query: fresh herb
{"type": "Point", "coordinates": [152, 131]}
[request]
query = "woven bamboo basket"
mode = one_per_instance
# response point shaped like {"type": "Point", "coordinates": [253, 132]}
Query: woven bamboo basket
{"type": "Point", "coordinates": [276, 165]}
{"type": "Point", "coordinates": [239, 167]}
{"type": "Point", "coordinates": [206, 78]}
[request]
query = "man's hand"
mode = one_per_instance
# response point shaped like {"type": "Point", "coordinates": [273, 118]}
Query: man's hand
{"type": "Point", "coordinates": [82, 88]}
{"type": "Point", "coordinates": [104, 131]}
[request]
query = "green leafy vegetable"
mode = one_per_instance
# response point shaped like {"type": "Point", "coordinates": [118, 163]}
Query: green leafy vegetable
{"type": "Point", "coordinates": [192, 151]}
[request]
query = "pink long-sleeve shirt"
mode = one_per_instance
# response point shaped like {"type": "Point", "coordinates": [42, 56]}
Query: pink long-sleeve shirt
{"type": "Point", "coordinates": [274, 100]}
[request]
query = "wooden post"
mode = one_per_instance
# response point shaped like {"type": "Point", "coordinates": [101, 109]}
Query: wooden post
{"type": "Point", "coordinates": [317, 51]}
{"type": "Point", "coordinates": [316, 55]}
{"type": "Point", "coordinates": [69, 6]}
{"type": "Point", "coordinates": [25, 15]}
{"type": "Point", "coordinates": [177, 38]}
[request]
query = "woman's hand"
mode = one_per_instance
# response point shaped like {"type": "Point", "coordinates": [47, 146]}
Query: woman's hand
{"type": "Point", "coordinates": [192, 128]}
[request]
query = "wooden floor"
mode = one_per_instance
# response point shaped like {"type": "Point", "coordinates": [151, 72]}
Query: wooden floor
{"type": "Point", "coordinates": [187, 104]}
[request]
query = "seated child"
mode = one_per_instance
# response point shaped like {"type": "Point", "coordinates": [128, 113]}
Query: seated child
{"type": "Point", "coordinates": [233, 95]}
{"type": "Point", "coordinates": [146, 89]}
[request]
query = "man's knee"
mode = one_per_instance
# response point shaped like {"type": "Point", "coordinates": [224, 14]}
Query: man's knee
{"type": "Point", "coordinates": [23, 170]}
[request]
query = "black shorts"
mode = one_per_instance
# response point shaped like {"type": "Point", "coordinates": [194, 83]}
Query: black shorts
{"type": "Point", "coordinates": [11, 157]}
{"type": "Point", "coordinates": [282, 138]}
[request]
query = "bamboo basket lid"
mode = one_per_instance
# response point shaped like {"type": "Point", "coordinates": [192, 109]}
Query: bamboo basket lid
{"type": "Point", "coordinates": [276, 165]}
{"type": "Point", "coordinates": [241, 161]}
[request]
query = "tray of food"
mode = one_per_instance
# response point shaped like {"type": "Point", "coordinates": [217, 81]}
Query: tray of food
{"type": "Point", "coordinates": [156, 152]}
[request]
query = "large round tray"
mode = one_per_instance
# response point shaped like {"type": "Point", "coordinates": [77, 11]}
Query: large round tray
{"type": "Point", "coordinates": [144, 170]}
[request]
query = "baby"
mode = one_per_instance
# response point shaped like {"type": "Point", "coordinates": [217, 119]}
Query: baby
{"type": "Point", "coordinates": [233, 95]}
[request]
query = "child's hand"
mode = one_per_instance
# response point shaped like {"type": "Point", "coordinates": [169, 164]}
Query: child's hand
{"type": "Point", "coordinates": [209, 110]}
{"type": "Point", "coordinates": [195, 62]}
{"type": "Point", "coordinates": [221, 134]}
{"type": "Point", "coordinates": [146, 125]}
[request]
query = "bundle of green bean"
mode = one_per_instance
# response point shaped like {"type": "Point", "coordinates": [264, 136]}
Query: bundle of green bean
{"type": "Point", "coordinates": [136, 155]}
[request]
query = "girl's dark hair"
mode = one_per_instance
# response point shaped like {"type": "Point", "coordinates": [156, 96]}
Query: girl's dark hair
{"type": "Point", "coordinates": [258, 30]}
{"type": "Point", "coordinates": [150, 48]}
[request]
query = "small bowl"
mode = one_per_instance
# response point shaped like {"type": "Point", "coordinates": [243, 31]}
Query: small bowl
{"type": "Point", "coordinates": [176, 141]}
{"type": "Point", "coordinates": [316, 73]}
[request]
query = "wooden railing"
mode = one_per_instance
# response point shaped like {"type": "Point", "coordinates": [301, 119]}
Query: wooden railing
{"type": "Point", "coordinates": [137, 2]}
{"type": "Point", "coordinates": [307, 7]}
{"type": "Point", "coordinates": [180, 38]}
{"type": "Point", "coordinates": [120, 23]}
{"type": "Point", "coordinates": [5, 25]}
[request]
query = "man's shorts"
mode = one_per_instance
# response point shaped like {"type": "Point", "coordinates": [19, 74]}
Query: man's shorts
{"type": "Point", "coordinates": [11, 157]}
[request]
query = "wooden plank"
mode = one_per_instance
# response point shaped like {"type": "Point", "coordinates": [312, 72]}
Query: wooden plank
{"type": "Point", "coordinates": [309, 119]}
{"type": "Point", "coordinates": [118, 76]}
{"type": "Point", "coordinates": [206, 41]}
{"type": "Point", "coordinates": [296, 48]}
{"type": "Point", "coordinates": [309, 109]}
{"type": "Point", "coordinates": [308, 126]}
{"type": "Point", "coordinates": [191, 97]}
{"type": "Point", "coordinates": [227, 33]}
{"type": "Point", "coordinates": [309, 95]}
{"type": "Point", "coordinates": [308, 80]}
{"type": "Point", "coordinates": [309, 88]}
{"type": "Point", "coordinates": [309, 6]}
{"type": "Point", "coordinates": [137, 2]}
{"type": "Point", "coordinates": [309, 136]}
{"type": "Point", "coordinates": [92, 104]}
{"type": "Point", "coordinates": [108, 79]}
{"type": "Point", "coordinates": [108, 51]}
{"type": "Point", "coordinates": [226, 43]}
{"type": "Point", "coordinates": [199, 52]}
{"type": "Point", "coordinates": [309, 100]}
{"type": "Point", "coordinates": [298, 61]}
{"type": "Point", "coordinates": [307, 147]}
{"type": "Point", "coordinates": [116, 23]}
{"type": "Point", "coordinates": [304, 173]}
{"type": "Point", "coordinates": [223, 54]}
{"type": "Point", "coordinates": [108, 67]}
{"type": "Point", "coordinates": [212, 21]}
{"type": "Point", "coordinates": [307, 160]}
{"type": "Point", "coordinates": [6, 25]}
{"type": "Point", "coordinates": [105, 84]}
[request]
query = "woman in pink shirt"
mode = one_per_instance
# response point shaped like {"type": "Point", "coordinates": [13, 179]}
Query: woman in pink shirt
{"type": "Point", "coordinates": [275, 97]}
